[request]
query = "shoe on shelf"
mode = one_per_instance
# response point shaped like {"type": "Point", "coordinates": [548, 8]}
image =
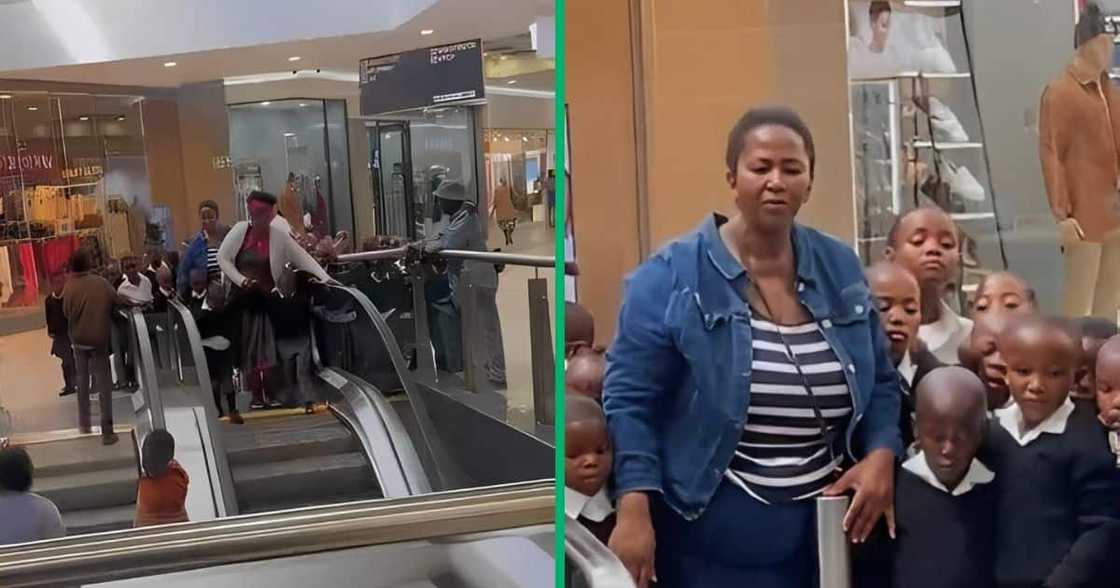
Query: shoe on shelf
{"type": "Point", "coordinates": [109, 439]}
{"type": "Point", "coordinates": [946, 126]}
{"type": "Point", "coordinates": [235, 418]}
{"type": "Point", "coordinates": [963, 184]}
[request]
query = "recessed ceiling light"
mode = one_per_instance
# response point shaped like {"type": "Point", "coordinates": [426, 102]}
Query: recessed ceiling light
{"type": "Point", "coordinates": [289, 134]}
{"type": "Point", "coordinates": [170, 64]}
{"type": "Point", "coordinates": [120, 118]}
{"type": "Point", "coordinates": [83, 118]}
{"type": "Point", "coordinates": [506, 138]}
{"type": "Point", "coordinates": [33, 108]}
{"type": "Point", "coordinates": [524, 138]}
{"type": "Point", "coordinates": [5, 96]}
{"type": "Point", "coordinates": [505, 57]}
{"type": "Point", "coordinates": [426, 32]}
{"type": "Point", "coordinates": [511, 82]}
{"type": "Point", "coordinates": [294, 58]}
{"type": "Point", "coordinates": [265, 103]}
{"type": "Point", "coordinates": [303, 105]}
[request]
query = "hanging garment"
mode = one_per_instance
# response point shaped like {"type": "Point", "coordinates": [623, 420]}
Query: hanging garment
{"type": "Point", "coordinates": [319, 220]}
{"type": "Point", "coordinates": [30, 274]}
{"type": "Point", "coordinates": [6, 285]}
{"type": "Point", "coordinates": [56, 254]}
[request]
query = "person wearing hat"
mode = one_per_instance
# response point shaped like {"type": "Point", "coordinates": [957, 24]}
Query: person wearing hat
{"type": "Point", "coordinates": [464, 231]}
{"type": "Point", "coordinates": [202, 249]}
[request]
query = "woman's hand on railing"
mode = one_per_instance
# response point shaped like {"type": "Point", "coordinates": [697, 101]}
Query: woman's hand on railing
{"type": "Point", "coordinates": [633, 539]}
{"type": "Point", "coordinates": [872, 479]}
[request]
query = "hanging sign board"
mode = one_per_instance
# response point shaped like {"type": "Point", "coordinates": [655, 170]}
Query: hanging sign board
{"type": "Point", "coordinates": [433, 76]}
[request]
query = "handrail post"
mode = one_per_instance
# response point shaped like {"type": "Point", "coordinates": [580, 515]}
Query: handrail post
{"type": "Point", "coordinates": [540, 337]}
{"type": "Point", "coordinates": [425, 354]}
{"type": "Point", "coordinates": [832, 543]}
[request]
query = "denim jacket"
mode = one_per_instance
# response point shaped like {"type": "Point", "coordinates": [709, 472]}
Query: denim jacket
{"type": "Point", "coordinates": [678, 376]}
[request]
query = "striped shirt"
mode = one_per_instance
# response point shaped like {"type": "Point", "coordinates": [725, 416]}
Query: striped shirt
{"type": "Point", "coordinates": [212, 268]}
{"type": "Point", "coordinates": [782, 455]}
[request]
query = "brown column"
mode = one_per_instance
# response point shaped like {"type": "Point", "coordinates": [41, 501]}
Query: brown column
{"type": "Point", "coordinates": [204, 134]}
{"type": "Point", "coordinates": [600, 96]}
{"type": "Point", "coordinates": [165, 164]}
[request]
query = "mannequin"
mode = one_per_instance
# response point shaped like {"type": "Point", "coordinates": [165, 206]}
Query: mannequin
{"type": "Point", "coordinates": [1079, 125]}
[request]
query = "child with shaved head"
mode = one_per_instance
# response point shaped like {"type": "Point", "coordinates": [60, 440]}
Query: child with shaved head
{"type": "Point", "coordinates": [944, 496]}
{"type": "Point", "coordinates": [588, 459]}
{"type": "Point", "coordinates": [898, 297]}
{"type": "Point", "coordinates": [1056, 505]}
{"type": "Point", "coordinates": [584, 374]}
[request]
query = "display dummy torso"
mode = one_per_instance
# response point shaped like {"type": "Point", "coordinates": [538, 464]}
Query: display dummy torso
{"type": "Point", "coordinates": [1078, 130]}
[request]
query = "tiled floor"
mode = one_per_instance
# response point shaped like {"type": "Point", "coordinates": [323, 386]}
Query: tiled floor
{"type": "Point", "coordinates": [30, 377]}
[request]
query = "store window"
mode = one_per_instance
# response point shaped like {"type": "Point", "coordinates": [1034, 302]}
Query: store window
{"type": "Point", "coordinates": [520, 158]}
{"type": "Point", "coordinates": [295, 149]}
{"type": "Point", "coordinates": [72, 174]}
{"type": "Point", "coordinates": [410, 154]}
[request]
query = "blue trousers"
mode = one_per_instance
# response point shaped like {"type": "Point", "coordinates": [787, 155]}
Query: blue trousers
{"type": "Point", "coordinates": [737, 542]}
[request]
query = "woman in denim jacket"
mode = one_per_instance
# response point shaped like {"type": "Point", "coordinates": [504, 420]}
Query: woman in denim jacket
{"type": "Point", "coordinates": [749, 375]}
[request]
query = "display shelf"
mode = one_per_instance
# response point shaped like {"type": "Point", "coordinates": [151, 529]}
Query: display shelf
{"type": "Point", "coordinates": [947, 145]}
{"type": "Point", "coordinates": [932, 3]}
{"type": "Point", "coordinates": [909, 75]}
{"type": "Point", "coordinates": [971, 216]}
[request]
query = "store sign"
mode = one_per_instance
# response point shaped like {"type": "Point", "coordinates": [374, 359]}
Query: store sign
{"type": "Point", "coordinates": [432, 76]}
{"type": "Point", "coordinates": [83, 171]}
{"type": "Point", "coordinates": [26, 162]}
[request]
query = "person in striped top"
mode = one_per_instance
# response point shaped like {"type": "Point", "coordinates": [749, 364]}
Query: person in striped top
{"type": "Point", "coordinates": [202, 249]}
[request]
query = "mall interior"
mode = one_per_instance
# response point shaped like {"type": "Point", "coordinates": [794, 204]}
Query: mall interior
{"type": "Point", "coordinates": [648, 162]}
{"type": "Point", "coordinates": [121, 122]}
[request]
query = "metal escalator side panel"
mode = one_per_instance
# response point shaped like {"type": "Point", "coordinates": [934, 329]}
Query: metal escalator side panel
{"type": "Point", "coordinates": [427, 427]}
{"type": "Point", "coordinates": [225, 497]}
{"type": "Point", "coordinates": [597, 564]}
{"type": "Point", "coordinates": [144, 359]}
{"type": "Point", "coordinates": [382, 435]}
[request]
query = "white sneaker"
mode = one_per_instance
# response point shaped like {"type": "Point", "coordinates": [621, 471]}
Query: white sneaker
{"type": "Point", "coordinates": [963, 184]}
{"type": "Point", "coordinates": [946, 126]}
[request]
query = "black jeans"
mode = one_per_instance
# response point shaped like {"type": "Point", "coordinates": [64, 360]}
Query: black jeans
{"type": "Point", "coordinates": [93, 364]}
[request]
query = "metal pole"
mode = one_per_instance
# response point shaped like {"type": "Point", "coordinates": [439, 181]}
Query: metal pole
{"type": "Point", "coordinates": [832, 543]}
{"type": "Point", "coordinates": [540, 352]}
{"type": "Point", "coordinates": [425, 354]}
{"type": "Point", "coordinates": [464, 254]}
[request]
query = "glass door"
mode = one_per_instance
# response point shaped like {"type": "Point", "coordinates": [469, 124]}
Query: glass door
{"type": "Point", "coordinates": [393, 193]}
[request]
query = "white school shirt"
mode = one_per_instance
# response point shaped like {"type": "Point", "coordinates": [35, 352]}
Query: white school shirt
{"type": "Point", "coordinates": [977, 474]}
{"type": "Point", "coordinates": [141, 293]}
{"type": "Point", "coordinates": [595, 508]}
{"type": "Point", "coordinates": [1011, 419]}
{"type": "Point", "coordinates": [944, 337]}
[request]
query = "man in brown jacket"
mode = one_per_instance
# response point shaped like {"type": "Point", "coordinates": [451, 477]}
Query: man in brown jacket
{"type": "Point", "coordinates": [88, 301]}
{"type": "Point", "coordinates": [1079, 128]}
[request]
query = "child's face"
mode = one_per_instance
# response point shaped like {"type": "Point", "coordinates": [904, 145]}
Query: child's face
{"type": "Point", "coordinates": [1002, 292]}
{"type": "Point", "coordinates": [164, 279]}
{"type": "Point", "coordinates": [587, 456]}
{"type": "Point", "coordinates": [57, 284]}
{"type": "Point", "coordinates": [949, 440]}
{"type": "Point", "coordinates": [1084, 386]}
{"type": "Point", "coordinates": [992, 368]}
{"type": "Point", "coordinates": [1040, 369]}
{"type": "Point", "coordinates": [899, 302]}
{"type": "Point", "coordinates": [132, 268]}
{"type": "Point", "coordinates": [1108, 390]}
{"type": "Point", "coordinates": [928, 246]}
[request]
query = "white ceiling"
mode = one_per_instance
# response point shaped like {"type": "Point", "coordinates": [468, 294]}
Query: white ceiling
{"type": "Point", "coordinates": [451, 20]}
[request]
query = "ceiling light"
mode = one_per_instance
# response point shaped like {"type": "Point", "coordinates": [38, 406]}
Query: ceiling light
{"type": "Point", "coordinates": [5, 96]}
{"type": "Point", "coordinates": [426, 32]}
{"type": "Point", "coordinates": [506, 138]}
{"type": "Point", "coordinates": [294, 58]}
{"type": "Point", "coordinates": [303, 105]}
{"type": "Point", "coordinates": [289, 134]}
{"type": "Point", "coordinates": [511, 82]}
{"type": "Point", "coordinates": [83, 118]}
{"type": "Point", "coordinates": [33, 108]}
{"type": "Point", "coordinates": [504, 57]}
{"type": "Point", "coordinates": [524, 138]}
{"type": "Point", "coordinates": [120, 118]}
{"type": "Point", "coordinates": [170, 64]}
{"type": "Point", "coordinates": [265, 103]}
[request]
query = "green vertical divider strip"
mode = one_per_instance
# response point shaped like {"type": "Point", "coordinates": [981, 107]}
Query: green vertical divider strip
{"type": "Point", "coordinates": [561, 187]}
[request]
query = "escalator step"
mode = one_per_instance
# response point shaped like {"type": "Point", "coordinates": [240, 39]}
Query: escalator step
{"type": "Point", "coordinates": [310, 480]}
{"type": "Point", "coordinates": [98, 520]}
{"type": "Point", "coordinates": [253, 444]}
{"type": "Point", "coordinates": [89, 490]}
{"type": "Point", "coordinates": [79, 455]}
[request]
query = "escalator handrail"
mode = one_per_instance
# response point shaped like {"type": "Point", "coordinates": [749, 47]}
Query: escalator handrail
{"type": "Point", "coordinates": [423, 417]}
{"type": "Point", "coordinates": [155, 550]}
{"type": "Point", "coordinates": [224, 495]}
{"type": "Point", "coordinates": [599, 565]}
{"type": "Point", "coordinates": [412, 479]}
{"type": "Point", "coordinates": [145, 364]}
{"type": "Point", "coordinates": [495, 257]}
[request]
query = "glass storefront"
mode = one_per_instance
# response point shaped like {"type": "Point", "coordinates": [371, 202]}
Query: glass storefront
{"type": "Point", "coordinates": [73, 173]}
{"type": "Point", "coordinates": [410, 154]}
{"type": "Point", "coordinates": [297, 150]}
{"type": "Point", "coordinates": [521, 158]}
